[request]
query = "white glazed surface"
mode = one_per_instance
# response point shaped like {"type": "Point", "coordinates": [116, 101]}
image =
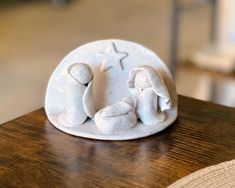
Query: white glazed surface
{"type": "Point", "coordinates": [109, 86]}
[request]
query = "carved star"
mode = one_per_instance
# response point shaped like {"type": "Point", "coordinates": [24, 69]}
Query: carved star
{"type": "Point", "coordinates": [112, 58]}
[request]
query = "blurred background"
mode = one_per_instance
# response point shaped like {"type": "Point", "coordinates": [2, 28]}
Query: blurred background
{"type": "Point", "coordinates": [195, 38]}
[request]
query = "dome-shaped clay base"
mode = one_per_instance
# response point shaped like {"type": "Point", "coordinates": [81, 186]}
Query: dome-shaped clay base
{"type": "Point", "coordinates": [109, 86]}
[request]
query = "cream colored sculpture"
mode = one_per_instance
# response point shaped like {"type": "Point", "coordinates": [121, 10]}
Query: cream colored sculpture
{"type": "Point", "coordinates": [111, 90]}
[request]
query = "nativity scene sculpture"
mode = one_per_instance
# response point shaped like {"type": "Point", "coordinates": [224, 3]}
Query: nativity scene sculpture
{"type": "Point", "coordinates": [111, 90]}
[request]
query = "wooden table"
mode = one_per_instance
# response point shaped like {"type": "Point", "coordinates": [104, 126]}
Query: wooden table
{"type": "Point", "coordinates": [34, 153]}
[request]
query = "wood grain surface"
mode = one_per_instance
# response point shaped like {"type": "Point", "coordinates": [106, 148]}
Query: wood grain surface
{"type": "Point", "coordinates": [35, 154]}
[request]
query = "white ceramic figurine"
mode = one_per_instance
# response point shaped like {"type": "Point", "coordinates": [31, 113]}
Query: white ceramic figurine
{"type": "Point", "coordinates": [79, 101]}
{"type": "Point", "coordinates": [152, 96]}
{"type": "Point", "coordinates": [127, 84]}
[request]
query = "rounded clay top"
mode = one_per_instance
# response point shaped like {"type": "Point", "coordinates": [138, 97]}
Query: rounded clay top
{"type": "Point", "coordinates": [81, 72]}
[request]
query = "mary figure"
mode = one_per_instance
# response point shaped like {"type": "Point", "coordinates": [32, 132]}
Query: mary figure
{"type": "Point", "coordinates": [150, 93]}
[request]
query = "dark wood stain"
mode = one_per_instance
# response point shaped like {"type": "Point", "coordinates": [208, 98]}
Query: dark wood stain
{"type": "Point", "coordinates": [35, 154]}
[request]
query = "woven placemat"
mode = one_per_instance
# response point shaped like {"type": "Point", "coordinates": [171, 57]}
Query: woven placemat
{"type": "Point", "coordinates": [217, 176]}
